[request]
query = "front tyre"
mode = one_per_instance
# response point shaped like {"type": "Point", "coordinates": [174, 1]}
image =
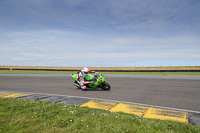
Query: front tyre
{"type": "Point", "coordinates": [105, 86]}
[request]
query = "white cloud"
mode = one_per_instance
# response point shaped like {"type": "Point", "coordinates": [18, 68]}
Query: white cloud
{"type": "Point", "coordinates": [107, 31]}
{"type": "Point", "coordinates": [29, 56]}
{"type": "Point", "coordinates": [62, 47]}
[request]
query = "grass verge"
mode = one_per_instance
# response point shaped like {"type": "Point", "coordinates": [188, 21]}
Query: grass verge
{"type": "Point", "coordinates": [108, 73]}
{"type": "Point", "coordinates": [37, 116]}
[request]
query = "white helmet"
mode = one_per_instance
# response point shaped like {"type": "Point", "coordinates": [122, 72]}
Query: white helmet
{"type": "Point", "coordinates": [85, 70]}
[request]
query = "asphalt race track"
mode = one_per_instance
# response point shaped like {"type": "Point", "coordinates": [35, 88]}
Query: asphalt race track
{"type": "Point", "coordinates": [182, 92]}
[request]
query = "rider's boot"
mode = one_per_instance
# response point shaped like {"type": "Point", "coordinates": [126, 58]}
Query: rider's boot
{"type": "Point", "coordinates": [83, 87]}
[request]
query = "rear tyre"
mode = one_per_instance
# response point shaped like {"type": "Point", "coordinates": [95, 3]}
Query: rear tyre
{"type": "Point", "coordinates": [105, 86]}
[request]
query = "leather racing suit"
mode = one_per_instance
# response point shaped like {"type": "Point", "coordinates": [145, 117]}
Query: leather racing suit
{"type": "Point", "coordinates": [80, 79]}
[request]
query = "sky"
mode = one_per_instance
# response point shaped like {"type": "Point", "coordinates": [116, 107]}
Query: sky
{"type": "Point", "coordinates": [100, 33]}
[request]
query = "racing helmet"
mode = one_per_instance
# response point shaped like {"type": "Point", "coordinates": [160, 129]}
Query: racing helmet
{"type": "Point", "coordinates": [85, 70]}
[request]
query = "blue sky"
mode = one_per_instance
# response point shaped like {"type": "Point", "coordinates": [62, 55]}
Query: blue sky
{"type": "Point", "coordinates": [101, 33]}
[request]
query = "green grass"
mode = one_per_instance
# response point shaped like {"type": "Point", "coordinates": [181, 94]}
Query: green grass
{"type": "Point", "coordinates": [25, 116]}
{"type": "Point", "coordinates": [110, 73]}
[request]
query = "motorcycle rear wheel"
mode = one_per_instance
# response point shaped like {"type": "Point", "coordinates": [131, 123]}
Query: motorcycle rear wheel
{"type": "Point", "coordinates": [105, 86]}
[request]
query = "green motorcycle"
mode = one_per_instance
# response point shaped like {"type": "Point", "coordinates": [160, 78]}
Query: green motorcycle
{"type": "Point", "coordinates": [98, 81]}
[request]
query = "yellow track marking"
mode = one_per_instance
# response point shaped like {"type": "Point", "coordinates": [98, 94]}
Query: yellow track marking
{"type": "Point", "coordinates": [14, 95]}
{"type": "Point", "coordinates": [129, 108]}
{"type": "Point", "coordinates": [164, 114]}
{"type": "Point", "coordinates": [99, 104]}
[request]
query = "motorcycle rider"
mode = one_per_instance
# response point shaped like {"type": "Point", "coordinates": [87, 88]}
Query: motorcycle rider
{"type": "Point", "coordinates": [80, 78]}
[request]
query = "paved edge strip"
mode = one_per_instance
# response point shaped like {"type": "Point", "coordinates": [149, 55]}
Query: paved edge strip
{"type": "Point", "coordinates": [114, 106]}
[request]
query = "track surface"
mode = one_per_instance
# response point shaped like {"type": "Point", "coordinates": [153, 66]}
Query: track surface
{"type": "Point", "coordinates": [181, 92]}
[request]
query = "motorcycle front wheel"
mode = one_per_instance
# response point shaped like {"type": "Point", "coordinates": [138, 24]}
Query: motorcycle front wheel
{"type": "Point", "coordinates": [105, 86]}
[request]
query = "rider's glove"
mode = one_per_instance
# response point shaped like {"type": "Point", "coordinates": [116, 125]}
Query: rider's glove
{"type": "Point", "coordinates": [96, 73]}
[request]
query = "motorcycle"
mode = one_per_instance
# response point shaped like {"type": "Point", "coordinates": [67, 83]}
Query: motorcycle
{"type": "Point", "coordinates": [98, 81]}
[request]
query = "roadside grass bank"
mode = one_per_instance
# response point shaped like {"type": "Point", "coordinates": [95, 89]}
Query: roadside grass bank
{"type": "Point", "coordinates": [106, 73]}
{"type": "Point", "coordinates": [37, 116]}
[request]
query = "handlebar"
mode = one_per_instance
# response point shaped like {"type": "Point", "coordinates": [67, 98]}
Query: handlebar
{"type": "Point", "coordinates": [95, 78]}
